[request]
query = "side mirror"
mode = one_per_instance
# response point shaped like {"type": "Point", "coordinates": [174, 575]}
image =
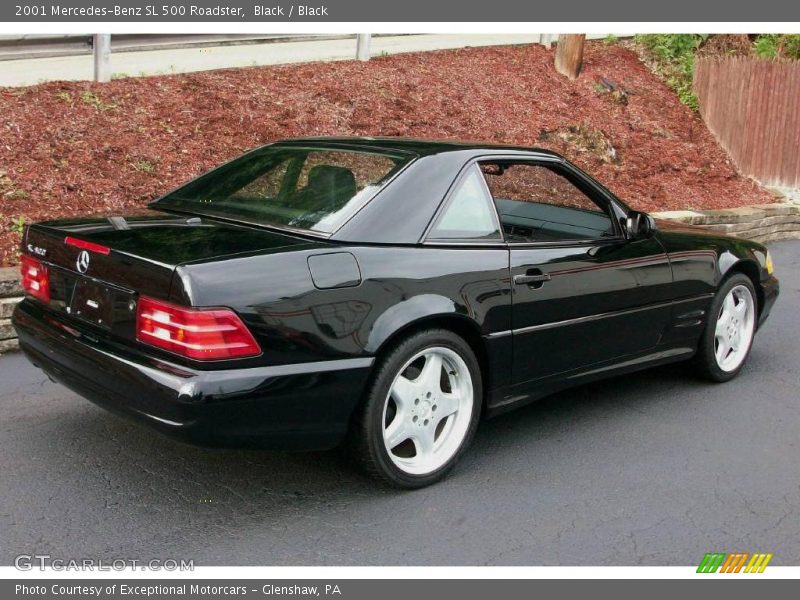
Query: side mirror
{"type": "Point", "coordinates": [639, 225]}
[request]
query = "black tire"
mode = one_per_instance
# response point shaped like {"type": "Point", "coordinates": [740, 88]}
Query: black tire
{"type": "Point", "coordinates": [365, 441]}
{"type": "Point", "coordinates": [705, 361]}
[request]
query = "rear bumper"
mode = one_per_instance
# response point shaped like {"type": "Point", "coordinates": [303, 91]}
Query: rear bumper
{"type": "Point", "coordinates": [770, 289]}
{"type": "Point", "coordinates": [302, 406]}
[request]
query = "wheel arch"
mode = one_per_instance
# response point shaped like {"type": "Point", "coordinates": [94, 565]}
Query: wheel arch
{"type": "Point", "coordinates": [752, 270]}
{"type": "Point", "coordinates": [457, 323]}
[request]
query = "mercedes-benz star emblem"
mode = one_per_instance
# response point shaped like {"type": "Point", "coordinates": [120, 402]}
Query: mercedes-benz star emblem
{"type": "Point", "coordinates": [83, 261]}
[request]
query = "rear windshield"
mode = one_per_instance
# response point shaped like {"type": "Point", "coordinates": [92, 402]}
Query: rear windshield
{"type": "Point", "coordinates": [302, 188]}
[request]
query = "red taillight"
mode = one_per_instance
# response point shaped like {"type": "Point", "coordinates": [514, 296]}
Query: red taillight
{"type": "Point", "coordinates": [84, 245]}
{"type": "Point", "coordinates": [202, 334]}
{"type": "Point", "coordinates": [35, 279]}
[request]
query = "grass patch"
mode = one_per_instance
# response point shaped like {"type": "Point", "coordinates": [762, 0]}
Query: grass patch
{"type": "Point", "coordinates": [89, 97]}
{"type": "Point", "coordinates": [144, 166]}
{"type": "Point", "coordinates": [65, 97]}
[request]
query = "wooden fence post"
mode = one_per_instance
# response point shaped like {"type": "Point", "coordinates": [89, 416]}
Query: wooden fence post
{"type": "Point", "coordinates": [569, 54]}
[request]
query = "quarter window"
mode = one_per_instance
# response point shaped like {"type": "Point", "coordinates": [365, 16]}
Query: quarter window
{"type": "Point", "coordinates": [469, 214]}
{"type": "Point", "coordinates": [537, 203]}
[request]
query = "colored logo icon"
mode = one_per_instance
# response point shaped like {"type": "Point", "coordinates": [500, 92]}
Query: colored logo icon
{"type": "Point", "coordinates": [738, 562]}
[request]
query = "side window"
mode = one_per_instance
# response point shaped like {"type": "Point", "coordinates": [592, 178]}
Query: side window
{"type": "Point", "coordinates": [469, 214]}
{"type": "Point", "coordinates": [538, 204]}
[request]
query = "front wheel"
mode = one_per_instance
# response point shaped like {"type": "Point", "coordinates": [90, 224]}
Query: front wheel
{"type": "Point", "coordinates": [729, 332]}
{"type": "Point", "coordinates": [421, 410]}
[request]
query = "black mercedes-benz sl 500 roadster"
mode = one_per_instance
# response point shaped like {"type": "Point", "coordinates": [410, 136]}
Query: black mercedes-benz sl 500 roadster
{"type": "Point", "coordinates": [385, 293]}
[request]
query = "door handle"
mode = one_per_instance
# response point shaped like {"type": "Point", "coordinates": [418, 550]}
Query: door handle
{"type": "Point", "coordinates": [529, 279]}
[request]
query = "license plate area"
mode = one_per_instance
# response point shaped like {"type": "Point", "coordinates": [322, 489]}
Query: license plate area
{"type": "Point", "coordinates": [105, 306]}
{"type": "Point", "coordinates": [93, 302]}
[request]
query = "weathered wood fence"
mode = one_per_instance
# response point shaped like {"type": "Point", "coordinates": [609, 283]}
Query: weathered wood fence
{"type": "Point", "coordinates": [753, 107]}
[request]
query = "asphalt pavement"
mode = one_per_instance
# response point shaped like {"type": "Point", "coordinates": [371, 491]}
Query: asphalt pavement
{"type": "Point", "coordinates": [655, 468]}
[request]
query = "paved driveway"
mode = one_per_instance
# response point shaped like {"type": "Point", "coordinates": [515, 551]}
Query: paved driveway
{"type": "Point", "coordinates": [655, 468]}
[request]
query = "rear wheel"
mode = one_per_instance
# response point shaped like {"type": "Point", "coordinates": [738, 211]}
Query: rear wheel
{"type": "Point", "coordinates": [421, 410]}
{"type": "Point", "coordinates": [728, 336]}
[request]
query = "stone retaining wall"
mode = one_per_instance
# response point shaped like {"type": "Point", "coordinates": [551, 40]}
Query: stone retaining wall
{"type": "Point", "coordinates": [764, 223]}
{"type": "Point", "coordinates": [10, 294]}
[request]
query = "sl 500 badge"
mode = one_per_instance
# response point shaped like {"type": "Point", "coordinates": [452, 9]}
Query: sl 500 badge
{"type": "Point", "coordinates": [36, 250]}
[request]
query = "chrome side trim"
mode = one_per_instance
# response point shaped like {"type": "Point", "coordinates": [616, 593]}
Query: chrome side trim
{"type": "Point", "coordinates": [589, 318]}
{"type": "Point", "coordinates": [322, 366]}
{"type": "Point", "coordinates": [655, 356]}
{"type": "Point", "coordinates": [498, 334]}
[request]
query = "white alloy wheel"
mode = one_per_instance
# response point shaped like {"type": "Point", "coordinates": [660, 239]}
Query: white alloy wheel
{"type": "Point", "coordinates": [427, 412]}
{"type": "Point", "coordinates": [734, 329]}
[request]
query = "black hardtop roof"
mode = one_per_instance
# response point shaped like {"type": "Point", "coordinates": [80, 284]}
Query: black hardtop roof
{"type": "Point", "coordinates": [420, 147]}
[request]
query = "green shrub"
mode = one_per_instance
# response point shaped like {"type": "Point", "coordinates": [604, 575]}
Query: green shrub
{"type": "Point", "coordinates": [672, 46]}
{"type": "Point", "coordinates": [773, 45]}
{"type": "Point", "coordinates": [673, 58]}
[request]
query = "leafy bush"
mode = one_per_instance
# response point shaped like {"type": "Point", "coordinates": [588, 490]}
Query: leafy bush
{"type": "Point", "coordinates": [673, 58]}
{"type": "Point", "coordinates": [775, 45]}
{"type": "Point", "coordinates": [18, 225]}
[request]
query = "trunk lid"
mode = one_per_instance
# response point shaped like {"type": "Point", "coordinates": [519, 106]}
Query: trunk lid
{"type": "Point", "coordinates": [97, 275]}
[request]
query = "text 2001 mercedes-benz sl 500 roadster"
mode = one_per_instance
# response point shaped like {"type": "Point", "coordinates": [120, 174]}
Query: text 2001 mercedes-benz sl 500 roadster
{"type": "Point", "coordinates": [382, 292]}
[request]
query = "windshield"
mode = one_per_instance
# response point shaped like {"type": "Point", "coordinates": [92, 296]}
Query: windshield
{"type": "Point", "coordinates": [314, 189]}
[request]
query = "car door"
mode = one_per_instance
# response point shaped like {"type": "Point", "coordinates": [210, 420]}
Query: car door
{"type": "Point", "coordinates": [582, 293]}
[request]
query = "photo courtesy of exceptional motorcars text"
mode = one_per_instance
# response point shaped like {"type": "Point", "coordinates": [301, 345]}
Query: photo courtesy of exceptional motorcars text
{"type": "Point", "coordinates": [355, 300]}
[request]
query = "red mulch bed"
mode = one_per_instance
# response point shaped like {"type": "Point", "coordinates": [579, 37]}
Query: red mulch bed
{"type": "Point", "coordinates": [76, 148]}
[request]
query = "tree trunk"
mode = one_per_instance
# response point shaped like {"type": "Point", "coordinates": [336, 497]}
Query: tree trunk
{"type": "Point", "coordinates": [569, 54]}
